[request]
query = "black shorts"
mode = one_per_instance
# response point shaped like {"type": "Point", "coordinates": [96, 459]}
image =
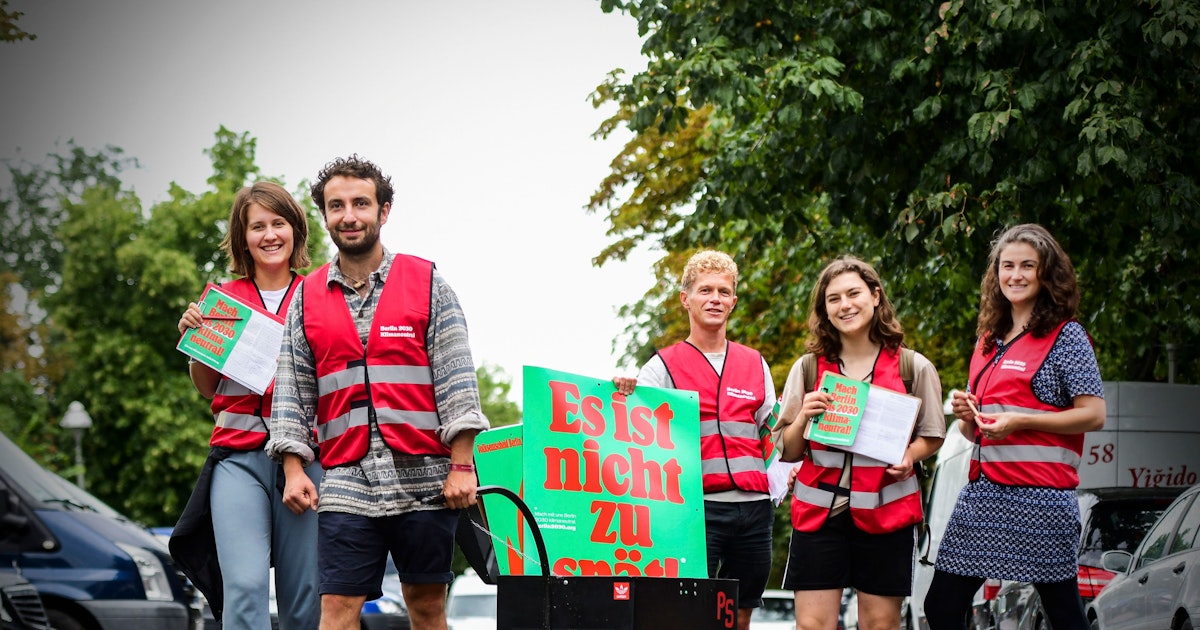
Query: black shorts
{"type": "Point", "coordinates": [352, 550]}
{"type": "Point", "coordinates": [738, 537]}
{"type": "Point", "coordinates": [840, 555]}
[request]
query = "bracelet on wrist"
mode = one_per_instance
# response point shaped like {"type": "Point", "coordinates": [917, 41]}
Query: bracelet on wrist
{"type": "Point", "coordinates": [462, 467]}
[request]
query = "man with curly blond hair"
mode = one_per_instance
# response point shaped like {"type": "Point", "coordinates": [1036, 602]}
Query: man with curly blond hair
{"type": "Point", "coordinates": [736, 399]}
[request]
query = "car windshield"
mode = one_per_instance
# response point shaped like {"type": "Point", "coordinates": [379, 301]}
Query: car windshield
{"type": "Point", "coordinates": [1118, 526]}
{"type": "Point", "coordinates": [46, 486]}
{"type": "Point", "coordinates": [775, 609]}
{"type": "Point", "coordinates": [483, 605]}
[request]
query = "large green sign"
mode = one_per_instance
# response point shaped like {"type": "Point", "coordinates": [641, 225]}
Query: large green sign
{"type": "Point", "coordinates": [613, 482]}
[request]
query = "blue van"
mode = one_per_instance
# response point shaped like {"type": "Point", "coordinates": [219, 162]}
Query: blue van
{"type": "Point", "coordinates": [93, 567]}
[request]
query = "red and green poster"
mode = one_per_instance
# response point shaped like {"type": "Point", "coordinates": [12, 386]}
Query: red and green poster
{"type": "Point", "coordinates": [613, 482]}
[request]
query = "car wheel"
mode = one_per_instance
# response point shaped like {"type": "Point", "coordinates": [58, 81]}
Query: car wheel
{"type": "Point", "coordinates": [1182, 622]}
{"type": "Point", "coordinates": [61, 620]}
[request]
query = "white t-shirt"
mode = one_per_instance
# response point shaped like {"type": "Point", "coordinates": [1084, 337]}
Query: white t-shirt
{"type": "Point", "coordinates": [272, 299]}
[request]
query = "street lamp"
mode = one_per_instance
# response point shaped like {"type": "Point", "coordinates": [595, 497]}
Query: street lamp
{"type": "Point", "coordinates": [77, 419]}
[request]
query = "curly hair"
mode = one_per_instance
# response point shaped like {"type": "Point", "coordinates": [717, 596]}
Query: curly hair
{"type": "Point", "coordinates": [824, 339]}
{"type": "Point", "coordinates": [708, 261]}
{"type": "Point", "coordinates": [273, 197]}
{"type": "Point", "coordinates": [357, 168]}
{"type": "Point", "coordinates": [1057, 299]}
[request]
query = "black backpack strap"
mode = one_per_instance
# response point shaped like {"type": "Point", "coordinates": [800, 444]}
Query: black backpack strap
{"type": "Point", "coordinates": [906, 368]}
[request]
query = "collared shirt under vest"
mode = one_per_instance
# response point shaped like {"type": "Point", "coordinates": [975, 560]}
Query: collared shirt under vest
{"type": "Point", "coordinates": [730, 448]}
{"type": "Point", "coordinates": [879, 503]}
{"type": "Point", "coordinates": [388, 382]}
{"type": "Point", "coordinates": [240, 414]}
{"type": "Point", "coordinates": [1002, 381]}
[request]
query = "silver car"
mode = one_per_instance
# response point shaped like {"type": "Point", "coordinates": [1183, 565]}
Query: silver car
{"type": "Point", "coordinates": [1158, 585]}
{"type": "Point", "coordinates": [1112, 519]}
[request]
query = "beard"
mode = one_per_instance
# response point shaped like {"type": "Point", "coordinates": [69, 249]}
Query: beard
{"type": "Point", "coordinates": [355, 248]}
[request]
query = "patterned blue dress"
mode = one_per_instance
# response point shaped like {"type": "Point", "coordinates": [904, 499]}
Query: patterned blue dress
{"type": "Point", "coordinates": [1022, 533]}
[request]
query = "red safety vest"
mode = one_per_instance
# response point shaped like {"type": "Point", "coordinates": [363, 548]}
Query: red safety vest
{"type": "Point", "coordinates": [241, 415]}
{"type": "Point", "coordinates": [1005, 383]}
{"type": "Point", "coordinates": [730, 448]}
{"type": "Point", "coordinates": [388, 382]}
{"type": "Point", "coordinates": [879, 503]}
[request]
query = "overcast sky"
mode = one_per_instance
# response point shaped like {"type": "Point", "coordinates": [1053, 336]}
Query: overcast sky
{"type": "Point", "coordinates": [477, 109]}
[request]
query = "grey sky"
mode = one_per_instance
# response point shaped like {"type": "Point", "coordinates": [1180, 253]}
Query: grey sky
{"type": "Point", "coordinates": [478, 110]}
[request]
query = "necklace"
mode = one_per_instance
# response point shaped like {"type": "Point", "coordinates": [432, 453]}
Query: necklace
{"type": "Point", "coordinates": [869, 376]}
{"type": "Point", "coordinates": [356, 283]}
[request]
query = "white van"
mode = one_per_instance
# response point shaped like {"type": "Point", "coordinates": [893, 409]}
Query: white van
{"type": "Point", "coordinates": [1150, 440]}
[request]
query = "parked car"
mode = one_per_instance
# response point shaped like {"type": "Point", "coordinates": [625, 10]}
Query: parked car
{"type": "Point", "coordinates": [471, 604]}
{"type": "Point", "coordinates": [1157, 585]}
{"type": "Point", "coordinates": [778, 611]}
{"type": "Point", "coordinates": [20, 604]}
{"type": "Point", "coordinates": [388, 612]}
{"type": "Point", "coordinates": [93, 567]}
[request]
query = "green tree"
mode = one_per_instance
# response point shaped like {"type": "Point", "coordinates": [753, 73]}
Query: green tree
{"type": "Point", "coordinates": [909, 135]}
{"type": "Point", "coordinates": [9, 31]}
{"type": "Point", "coordinates": [120, 310]}
{"type": "Point", "coordinates": [31, 253]}
{"type": "Point", "coordinates": [494, 388]}
{"type": "Point", "coordinates": [33, 209]}
{"type": "Point", "coordinates": [34, 361]}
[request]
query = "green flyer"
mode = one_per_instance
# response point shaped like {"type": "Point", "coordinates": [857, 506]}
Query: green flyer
{"type": "Point", "coordinates": [839, 425]}
{"type": "Point", "coordinates": [236, 339]}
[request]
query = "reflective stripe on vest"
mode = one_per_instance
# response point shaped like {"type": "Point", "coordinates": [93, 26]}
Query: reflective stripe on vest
{"type": "Point", "coordinates": [859, 500]}
{"type": "Point", "coordinates": [359, 417]}
{"type": "Point", "coordinates": [241, 416]}
{"type": "Point", "coordinates": [748, 464]}
{"type": "Point", "coordinates": [878, 503]}
{"type": "Point", "coordinates": [739, 430]}
{"type": "Point", "coordinates": [1004, 383]}
{"type": "Point", "coordinates": [730, 447]}
{"type": "Point", "coordinates": [240, 421]}
{"type": "Point", "coordinates": [378, 374]}
{"type": "Point", "coordinates": [389, 379]}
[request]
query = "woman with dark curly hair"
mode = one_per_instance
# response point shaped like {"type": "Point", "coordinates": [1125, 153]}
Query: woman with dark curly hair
{"type": "Point", "coordinates": [1034, 389]}
{"type": "Point", "coordinates": [853, 517]}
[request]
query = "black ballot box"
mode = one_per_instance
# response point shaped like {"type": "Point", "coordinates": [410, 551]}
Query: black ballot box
{"type": "Point", "coordinates": [614, 603]}
{"type": "Point", "coordinates": [619, 602]}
